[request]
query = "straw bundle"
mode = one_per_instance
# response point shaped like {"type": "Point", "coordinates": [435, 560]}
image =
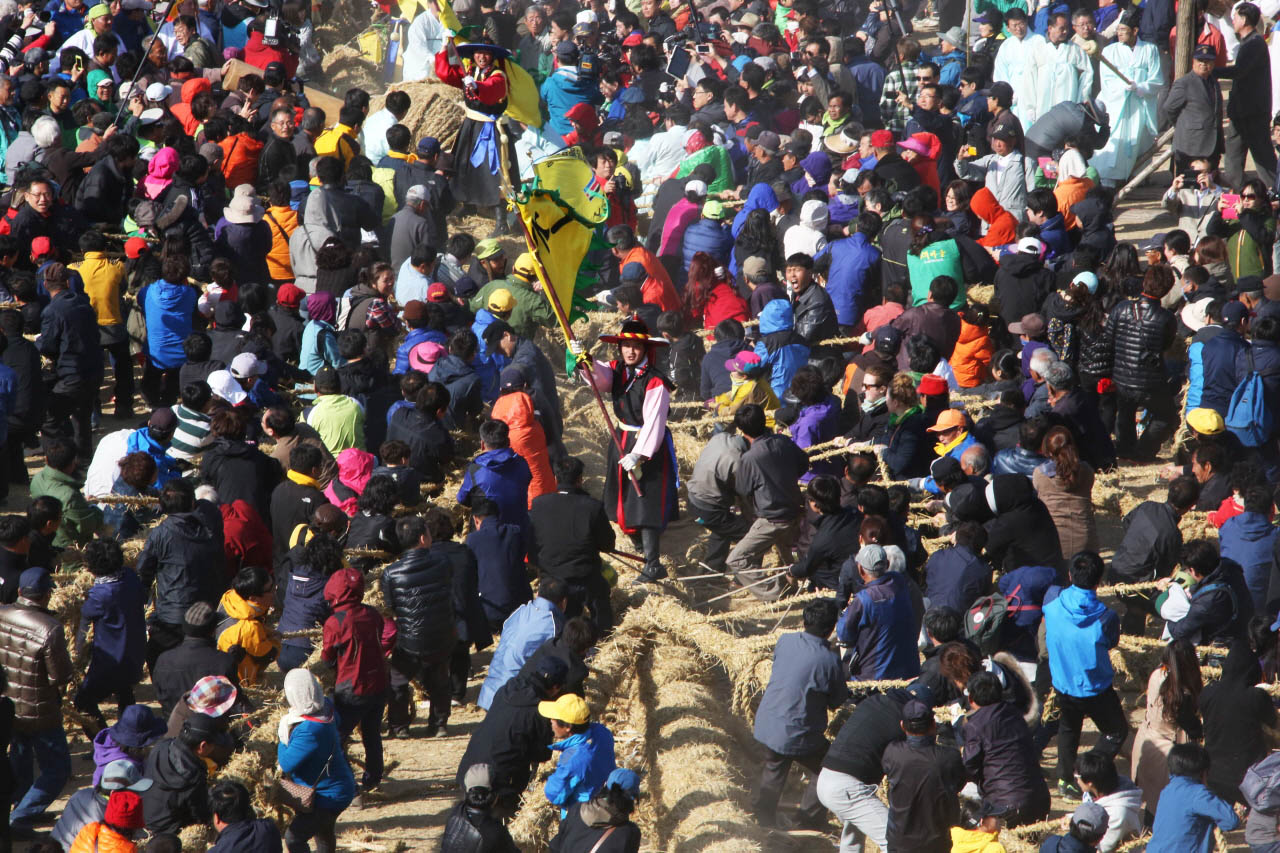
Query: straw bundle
{"type": "Point", "coordinates": [345, 67]}
{"type": "Point", "coordinates": [435, 109]}
{"type": "Point", "coordinates": [695, 780]}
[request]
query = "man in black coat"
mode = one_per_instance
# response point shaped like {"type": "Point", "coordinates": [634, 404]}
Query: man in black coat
{"type": "Point", "coordinates": [197, 656]}
{"type": "Point", "coordinates": [297, 495]}
{"type": "Point", "coordinates": [69, 338]}
{"type": "Point", "coordinates": [179, 794]}
{"type": "Point", "coordinates": [1221, 604]}
{"type": "Point", "coordinates": [513, 737]}
{"type": "Point", "coordinates": [468, 611]}
{"type": "Point", "coordinates": [1249, 110]}
{"type": "Point", "coordinates": [999, 754]}
{"type": "Point", "coordinates": [184, 556]}
{"type": "Point", "coordinates": [849, 783]}
{"type": "Point", "coordinates": [418, 589]}
{"type": "Point", "coordinates": [924, 784]}
{"type": "Point", "coordinates": [102, 194]}
{"type": "Point", "coordinates": [570, 528]}
{"type": "Point", "coordinates": [1070, 406]}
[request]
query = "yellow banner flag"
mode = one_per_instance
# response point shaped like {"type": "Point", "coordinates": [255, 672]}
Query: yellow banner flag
{"type": "Point", "coordinates": [523, 102]}
{"type": "Point", "coordinates": [447, 17]}
{"type": "Point", "coordinates": [561, 210]}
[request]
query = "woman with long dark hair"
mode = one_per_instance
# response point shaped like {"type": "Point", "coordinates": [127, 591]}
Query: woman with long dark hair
{"type": "Point", "coordinates": [758, 237]}
{"type": "Point", "coordinates": [1172, 717]}
{"type": "Point", "coordinates": [1122, 263]}
{"type": "Point", "coordinates": [1064, 485]}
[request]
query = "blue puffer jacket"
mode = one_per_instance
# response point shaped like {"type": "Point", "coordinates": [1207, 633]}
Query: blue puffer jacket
{"type": "Point", "coordinates": [1247, 539]}
{"type": "Point", "coordinates": [140, 441]}
{"type": "Point", "coordinates": [524, 631]}
{"type": "Point", "coordinates": [707, 235]}
{"type": "Point", "coordinates": [851, 260]}
{"type": "Point", "coordinates": [313, 745]}
{"type": "Point", "coordinates": [781, 348]}
{"type": "Point", "coordinates": [949, 67]}
{"type": "Point", "coordinates": [1080, 631]}
{"type": "Point", "coordinates": [586, 760]}
{"type": "Point", "coordinates": [304, 604]}
{"type": "Point", "coordinates": [1016, 460]}
{"type": "Point", "coordinates": [503, 477]}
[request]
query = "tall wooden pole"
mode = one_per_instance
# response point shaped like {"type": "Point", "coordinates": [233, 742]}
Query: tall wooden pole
{"type": "Point", "coordinates": [1187, 33]}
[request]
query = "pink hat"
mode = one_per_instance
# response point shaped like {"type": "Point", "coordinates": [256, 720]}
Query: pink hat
{"type": "Point", "coordinates": [744, 362]}
{"type": "Point", "coordinates": [916, 145]}
{"type": "Point", "coordinates": [424, 356]}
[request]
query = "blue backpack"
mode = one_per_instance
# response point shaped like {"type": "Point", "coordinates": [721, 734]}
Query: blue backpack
{"type": "Point", "coordinates": [1248, 417]}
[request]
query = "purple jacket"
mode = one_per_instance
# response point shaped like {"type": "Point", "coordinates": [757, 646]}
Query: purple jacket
{"type": "Point", "coordinates": [814, 425]}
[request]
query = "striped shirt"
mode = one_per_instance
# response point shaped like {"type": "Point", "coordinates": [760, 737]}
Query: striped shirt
{"type": "Point", "coordinates": [192, 434]}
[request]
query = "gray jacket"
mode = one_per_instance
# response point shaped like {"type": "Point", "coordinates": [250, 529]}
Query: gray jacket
{"type": "Point", "coordinates": [1194, 106]}
{"type": "Point", "coordinates": [408, 231]}
{"type": "Point", "coordinates": [712, 484]}
{"type": "Point", "coordinates": [806, 681]}
{"type": "Point", "coordinates": [767, 475]}
{"type": "Point", "coordinates": [1066, 120]}
{"type": "Point", "coordinates": [1007, 178]}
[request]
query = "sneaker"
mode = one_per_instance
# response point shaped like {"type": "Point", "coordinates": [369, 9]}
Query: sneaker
{"type": "Point", "coordinates": [1069, 790]}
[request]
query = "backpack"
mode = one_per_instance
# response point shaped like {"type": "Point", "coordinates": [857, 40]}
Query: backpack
{"type": "Point", "coordinates": [1261, 784]}
{"type": "Point", "coordinates": [984, 623]}
{"type": "Point", "coordinates": [1248, 417]}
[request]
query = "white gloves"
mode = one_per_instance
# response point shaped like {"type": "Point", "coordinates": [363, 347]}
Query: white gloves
{"type": "Point", "coordinates": [468, 81]}
{"type": "Point", "coordinates": [630, 461]}
{"type": "Point", "coordinates": [575, 347]}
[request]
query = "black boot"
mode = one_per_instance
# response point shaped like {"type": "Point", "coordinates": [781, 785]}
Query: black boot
{"type": "Point", "coordinates": [500, 226]}
{"type": "Point", "coordinates": [650, 541]}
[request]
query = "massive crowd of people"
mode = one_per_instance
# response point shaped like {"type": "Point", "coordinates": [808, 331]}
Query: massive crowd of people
{"type": "Point", "coordinates": [888, 272]}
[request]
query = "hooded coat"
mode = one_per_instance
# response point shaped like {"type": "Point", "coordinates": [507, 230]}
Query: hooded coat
{"type": "Point", "coordinates": [1022, 285]}
{"type": "Point", "coordinates": [179, 794]}
{"type": "Point", "coordinates": [855, 269]}
{"type": "Point", "coordinates": [356, 639]}
{"type": "Point", "coordinates": [355, 467]}
{"type": "Point", "coordinates": [512, 738]}
{"type": "Point", "coordinates": [241, 623]}
{"type": "Point", "coordinates": [1023, 532]}
{"type": "Point", "coordinates": [516, 409]}
{"type": "Point", "coordinates": [1002, 226]}
{"type": "Point", "coordinates": [781, 348]}
{"type": "Point", "coordinates": [503, 477]}
{"type": "Point", "coordinates": [1079, 633]}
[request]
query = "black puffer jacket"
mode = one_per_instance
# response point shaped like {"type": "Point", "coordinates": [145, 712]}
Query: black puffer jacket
{"type": "Point", "coordinates": [1139, 331]}
{"type": "Point", "coordinates": [418, 588]}
{"type": "Point", "coordinates": [1096, 354]}
{"type": "Point", "coordinates": [472, 829]}
{"type": "Point", "coordinates": [512, 739]}
{"type": "Point", "coordinates": [184, 557]}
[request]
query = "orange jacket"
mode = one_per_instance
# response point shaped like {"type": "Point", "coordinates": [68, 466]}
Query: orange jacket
{"type": "Point", "coordinates": [657, 288]}
{"type": "Point", "coordinates": [282, 221]}
{"type": "Point", "coordinates": [515, 409]}
{"type": "Point", "coordinates": [100, 838]}
{"type": "Point", "coordinates": [971, 359]}
{"type": "Point", "coordinates": [1068, 193]}
{"type": "Point", "coordinates": [182, 109]}
{"type": "Point", "coordinates": [1002, 227]}
{"type": "Point", "coordinates": [240, 159]}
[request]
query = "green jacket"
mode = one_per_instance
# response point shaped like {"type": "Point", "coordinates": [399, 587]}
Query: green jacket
{"type": "Point", "coordinates": [532, 309]}
{"type": "Point", "coordinates": [80, 519]}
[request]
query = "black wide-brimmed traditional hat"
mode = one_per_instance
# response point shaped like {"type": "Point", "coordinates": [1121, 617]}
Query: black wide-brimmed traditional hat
{"type": "Point", "coordinates": [634, 331]}
{"type": "Point", "coordinates": [468, 49]}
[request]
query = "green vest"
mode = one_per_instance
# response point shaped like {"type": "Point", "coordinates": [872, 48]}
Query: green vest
{"type": "Point", "coordinates": [938, 258]}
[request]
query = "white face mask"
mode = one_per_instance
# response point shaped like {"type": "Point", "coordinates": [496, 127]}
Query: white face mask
{"type": "Point", "coordinates": [740, 37]}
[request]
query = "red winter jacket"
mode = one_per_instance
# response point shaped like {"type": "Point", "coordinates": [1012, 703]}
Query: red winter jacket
{"type": "Point", "coordinates": [356, 637]}
{"type": "Point", "coordinates": [245, 537]}
{"type": "Point", "coordinates": [724, 303]}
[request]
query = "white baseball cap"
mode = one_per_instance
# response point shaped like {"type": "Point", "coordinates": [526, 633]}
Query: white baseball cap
{"type": "Point", "coordinates": [158, 92]}
{"type": "Point", "coordinates": [247, 364]}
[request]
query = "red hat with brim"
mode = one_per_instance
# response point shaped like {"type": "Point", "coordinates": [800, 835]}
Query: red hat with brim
{"type": "Point", "coordinates": [932, 384]}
